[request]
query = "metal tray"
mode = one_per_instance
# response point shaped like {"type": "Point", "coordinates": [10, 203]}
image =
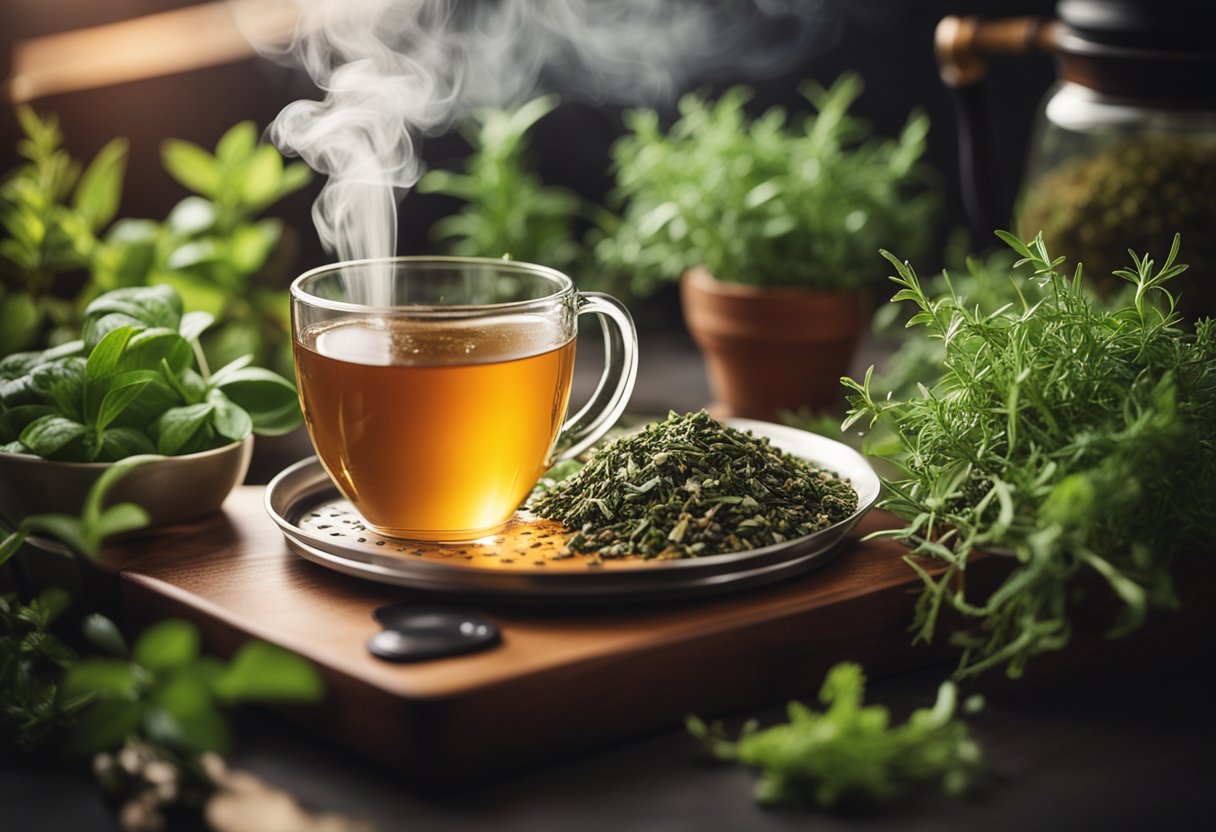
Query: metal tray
{"type": "Point", "coordinates": [526, 560]}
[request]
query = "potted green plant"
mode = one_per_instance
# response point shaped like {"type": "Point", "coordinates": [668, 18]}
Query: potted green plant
{"type": "Point", "coordinates": [51, 211]}
{"type": "Point", "coordinates": [507, 209]}
{"type": "Point", "coordinates": [135, 384]}
{"type": "Point", "coordinates": [773, 225]}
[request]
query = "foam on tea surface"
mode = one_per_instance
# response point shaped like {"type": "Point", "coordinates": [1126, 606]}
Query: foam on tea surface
{"type": "Point", "coordinates": [388, 341]}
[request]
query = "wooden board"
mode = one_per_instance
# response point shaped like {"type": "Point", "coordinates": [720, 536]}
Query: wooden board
{"type": "Point", "coordinates": [563, 680]}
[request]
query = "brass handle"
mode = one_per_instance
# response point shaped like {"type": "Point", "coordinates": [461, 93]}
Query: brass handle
{"type": "Point", "coordinates": [964, 44]}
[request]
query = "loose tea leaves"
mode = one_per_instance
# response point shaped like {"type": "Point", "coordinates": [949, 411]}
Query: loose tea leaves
{"type": "Point", "coordinates": [690, 486]}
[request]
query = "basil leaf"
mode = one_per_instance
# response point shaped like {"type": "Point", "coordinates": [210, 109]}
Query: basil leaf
{"type": "Point", "coordinates": [20, 363]}
{"type": "Point", "coordinates": [67, 529]}
{"type": "Point", "coordinates": [192, 166]}
{"type": "Point", "coordinates": [103, 360]}
{"type": "Point", "coordinates": [55, 437]}
{"type": "Point", "coordinates": [192, 386]}
{"type": "Point", "coordinates": [97, 196]}
{"type": "Point", "coordinates": [251, 245]}
{"type": "Point", "coordinates": [153, 400]}
{"type": "Point", "coordinates": [9, 544]}
{"type": "Point", "coordinates": [268, 398]}
{"type": "Point", "coordinates": [152, 306]}
{"type": "Point", "coordinates": [166, 645]}
{"type": "Point", "coordinates": [18, 391]}
{"type": "Point", "coordinates": [67, 379]}
{"type": "Point", "coordinates": [204, 730]}
{"type": "Point", "coordinates": [104, 634]}
{"type": "Point", "coordinates": [236, 144]}
{"type": "Point", "coordinates": [261, 671]}
{"type": "Point", "coordinates": [123, 517]}
{"type": "Point", "coordinates": [224, 373]}
{"type": "Point", "coordinates": [108, 678]}
{"type": "Point", "coordinates": [184, 429]}
{"type": "Point", "coordinates": [13, 420]}
{"type": "Point", "coordinates": [227, 418]}
{"type": "Point", "coordinates": [104, 726]}
{"type": "Point", "coordinates": [146, 349]}
{"type": "Point", "coordinates": [124, 389]}
{"type": "Point", "coordinates": [101, 365]}
{"type": "Point", "coordinates": [193, 215]}
{"type": "Point", "coordinates": [21, 317]}
{"type": "Point", "coordinates": [194, 323]}
{"type": "Point", "coordinates": [95, 329]}
{"type": "Point", "coordinates": [120, 443]}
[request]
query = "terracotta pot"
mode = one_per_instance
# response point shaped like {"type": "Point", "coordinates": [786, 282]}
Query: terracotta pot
{"type": "Point", "coordinates": [768, 350]}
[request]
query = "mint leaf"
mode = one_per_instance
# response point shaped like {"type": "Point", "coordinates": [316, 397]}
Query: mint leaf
{"type": "Point", "coordinates": [104, 634]}
{"type": "Point", "coordinates": [54, 437]}
{"type": "Point", "coordinates": [183, 430]}
{"type": "Point", "coordinates": [120, 443]}
{"type": "Point", "coordinates": [268, 398]}
{"type": "Point", "coordinates": [166, 645]}
{"type": "Point", "coordinates": [192, 166]}
{"type": "Point", "coordinates": [262, 672]}
{"type": "Point", "coordinates": [194, 324]}
{"type": "Point", "coordinates": [123, 390]}
{"type": "Point", "coordinates": [227, 418]}
{"type": "Point", "coordinates": [151, 306]}
{"type": "Point", "coordinates": [100, 188]}
{"type": "Point", "coordinates": [148, 348]}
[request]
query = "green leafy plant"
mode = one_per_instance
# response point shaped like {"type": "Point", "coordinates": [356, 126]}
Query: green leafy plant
{"type": "Point", "coordinates": [212, 248]}
{"type": "Point", "coordinates": [153, 713]}
{"type": "Point", "coordinates": [136, 384]}
{"type": "Point", "coordinates": [508, 209]}
{"type": "Point", "coordinates": [850, 752]}
{"type": "Point", "coordinates": [33, 708]}
{"type": "Point", "coordinates": [1077, 438]}
{"type": "Point", "coordinates": [50, 211]}
{"type": "Point", "coordinates": [771, 201]}
{"type": "Point", "coordinates": [166, 692]}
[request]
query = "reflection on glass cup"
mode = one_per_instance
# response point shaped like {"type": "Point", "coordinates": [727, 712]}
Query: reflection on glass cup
{"type": "Point", "coordinates": [435, 388]}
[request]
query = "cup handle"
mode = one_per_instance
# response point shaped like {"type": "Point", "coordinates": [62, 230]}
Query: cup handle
{"type": "Point", "coordinates": [611, 395]}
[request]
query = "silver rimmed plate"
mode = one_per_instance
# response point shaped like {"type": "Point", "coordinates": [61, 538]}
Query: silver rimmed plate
{"type": "Point", "coordinates": [528, 561]}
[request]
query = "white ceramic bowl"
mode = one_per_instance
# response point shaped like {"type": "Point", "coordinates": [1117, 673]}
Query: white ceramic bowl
{"type": "Point", "coordinates": [172, 490]}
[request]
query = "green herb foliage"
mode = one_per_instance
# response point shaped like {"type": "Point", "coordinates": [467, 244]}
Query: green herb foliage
{"type": "Point", "coordinates": [166, 692]}
{"type": "Point", "coordinates": [212, 248]}
{"type": "Point", "coordinates": [133, 385]}
{"type": "Point", "coordinates": [688, 487]}
{"type": "Point", "coordinates": [33, 708]}
{"type": "Point", "coordinates": [850, 753]}
{"type": "Point", "coordinates": [50, 212]}
{"type": "Point", "coordinates": [1080, 439]}
{"type": "Point", "coordinates": [773, 201]}
{"type": "Point", "coordinates": [32, 661]}
{"type": "Point", "coordinates": [162, 691]}
{"type": "Point", "coordinates": [508, 210]}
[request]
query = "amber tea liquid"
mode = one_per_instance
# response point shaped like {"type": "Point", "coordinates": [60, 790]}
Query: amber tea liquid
{"type": "Point", "coordinates": [435, 430]}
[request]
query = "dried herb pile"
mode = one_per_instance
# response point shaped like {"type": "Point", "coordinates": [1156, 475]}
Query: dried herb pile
{"type": "Point", "coordinates": [690, 486]}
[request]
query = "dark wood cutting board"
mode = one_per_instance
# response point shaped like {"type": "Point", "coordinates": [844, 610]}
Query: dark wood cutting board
{"type": "Point", "coordinates": [563, 679]}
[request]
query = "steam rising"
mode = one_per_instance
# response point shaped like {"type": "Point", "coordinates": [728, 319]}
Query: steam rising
{"type": "Point", "coordinates": [394, 71]}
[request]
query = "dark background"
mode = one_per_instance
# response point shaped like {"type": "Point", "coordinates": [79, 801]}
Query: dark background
{"type": "Point", "coordinates": [890, 42]}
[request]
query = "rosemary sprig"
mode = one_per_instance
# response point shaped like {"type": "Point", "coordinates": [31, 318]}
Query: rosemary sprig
{"type": "Point", "coordinates": [1080, 438]}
